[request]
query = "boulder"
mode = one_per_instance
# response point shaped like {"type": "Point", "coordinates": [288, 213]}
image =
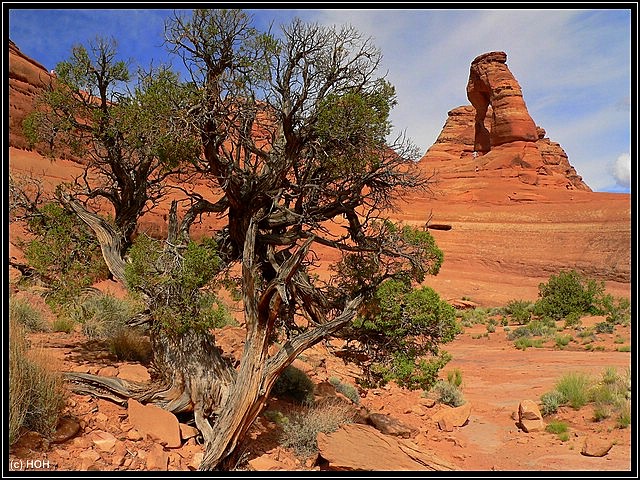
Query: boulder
{"type": "Point", "coordinates": [159, 424]}
{"type": "Point", "coordinates": [595, 447]}
{"type": "Point", "coordinates": [529, 416]}
{"type": "Point", "coordinates": [450, 418]}
{"type": "Point", "coordinates": [391, 426]}
{"type": "Point", "coordinates": [356, 447]}
{"type": "Point", "coordinates": [133, 372]}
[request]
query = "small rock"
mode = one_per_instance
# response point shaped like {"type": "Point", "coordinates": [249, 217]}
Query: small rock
{"type": "Point", "coordinates": [391, 426]}
{"type": "Point", "coordinates": [88, 459]}
{"type": "Point", "coordinates": [594, 447]}
{"type": "Point", "coordinates": [195, 462]}
{"type": "Point", "coordinates": [529, 416]}
{"type": "Point", "coordinates": [134, 435]}
{"type": "Point", "coordinates": [66, 429]}
{"type": "Point", "coordinates": [454, 417]}
{"type": "Point", "coordinates": [133, 372]}
{"type": "Point", "coordinates": [157, 458]}
{"type": "Point", "coordinates": [103, 441]}
{"type": "Point", "coordinates": [427, 402]}
{"type": "Point", "coordinates": [109, 371]}
{"type": "Point", "coordinates": [159, 424]}
{"type": "Point", "coordinates": [187, 431]}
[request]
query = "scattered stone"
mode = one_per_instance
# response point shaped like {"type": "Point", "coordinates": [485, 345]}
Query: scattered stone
{"type": "Point", "coordinates": [265, 463]}
{"type": "Point", "coordinates": [103, 441]}
{"type": "Point", "coordinates": [133, 372]}
{"type": "Point", "coordinates": [529, 416]}
{"type": "Point", "coordinates": [88, 459]}
{"type": "Point", "coordinates": [427, 402]}
{"type": "Point", "coordinates": [159, 424]}
{"type": "Point", "coordinates": [195, 462]}
{"type": "Point", "coordinates": [391, 426]}
{"type": "Point", "coordinates": [453, 417]}
{"type": "Point", "coordinates": [595, 447]}
{"type": "Point", "coordinates": [187, 431]}
{"type": "Point", "coordinates": [109, 371]}
{"type": "Point", "coordinates": [362, 447]}
{"type": "Point", "coordinates": [157, 458]}
{"type": "Point", "coordinates": [134, 435]}
{"type": "Point", "coordinates": [66, 429]}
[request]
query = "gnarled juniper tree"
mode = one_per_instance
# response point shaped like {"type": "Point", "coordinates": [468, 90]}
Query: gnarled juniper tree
{"type": "Point", "coordinates": [293, 141]}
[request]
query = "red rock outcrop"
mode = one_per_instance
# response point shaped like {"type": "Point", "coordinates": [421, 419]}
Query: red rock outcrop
{"type": "Point", "coordinates": [496, 136]}
{"type": "Point", "coordinates": [27, 79]}
{"type": "Point", "coordinates": [492, 84]}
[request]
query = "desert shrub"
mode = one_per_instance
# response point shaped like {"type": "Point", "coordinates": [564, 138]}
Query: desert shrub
{"type": "Point", "coordinates": [604, 327]}
{"type": "Point", "coordinates": [519, 332]}
{"type": "Point", "coordinates": [617, 310]}
{"type": "Point", "coordinates": [573, 320]}
{"type": "Point", "coordinates": [129, 344]}
{"type": "Point", "coordinates": [563, 340]}
{"type": "Point", "coordinates": [473, 316]}
{"type": "Point", "coordinates": [575, 388]}
{"type": "Point", "coordinates": [568, 292]}
{"type": "Point", "coordinates": [36, 394]}
{"type": "Point", "coordinates": [180, 286]}
{"type": "Point", "coordinates": [347, 390]}
{"type": "Point", "coordinates": [623, 420]}
{"type": "Point", "coordinates": [454, 377]}
{"type": "Point", "coordinates": [519, 310]}
{"type": "Point", "coordinates": [102, 315]}
{"type": "Point", "coordinates": [276, 417]}
{"type": "Point", "coordinates": [624, 348]}
{"type": "Point", "coordinates": [556, 427]}
{"type": "Point", "coordinates": [491, 326]}
{"type": "Point", "coordinates": [448, 393]}
{"type": "Point", "coordinates": [295, 384]}
{"type": "Point", "coordinates": [64, 253]}
{"type": "Point", "coordinates": [551, 401]}
{"type": "Point", "coordinates": [401, 328]}
{"type": "Point", "coordinates": [523, 343]}
{"type": "Point", "coordinates": [301, 432]}
{"type": "Point", "coordinates": [619, 340]}
{"type": "Point", "coordinates": [563, 437]}
{"type": "Point", "coordinates": [23, 313]}
{"type": "Point", "coordinates": [63, 324]}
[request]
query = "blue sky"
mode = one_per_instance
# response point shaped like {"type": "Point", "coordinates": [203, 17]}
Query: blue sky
{"type": "Point", "coordinates": [574, 66]}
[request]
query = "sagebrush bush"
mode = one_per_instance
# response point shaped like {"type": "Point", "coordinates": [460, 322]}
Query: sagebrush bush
{"type": "Point", "coordinates": [295, 384]}
{"type": "Point", "coordinates": [575, 387]}
{"type": "Point", "coordinates": [102, 315]}
{"type": "Point", "coordinates": [36, 394]}
{"type": "Point", "coordinates": [129, 344]}
{"type": "Point", "coordinates": [25, 314]}
{"type": "Point", "coordinates": [448, 393]}
{"type": "Point", "coordinates": [551, 401]}
{"type": "Point", "coordinates": [63, 324]}
{"type": "Point", "coordinates": [604, 327]}
{"type": "Point", "coordinates": [347, 390]}
{"type": "Point", "coordinates": [300, 433]}
{"type": "Point", "coordinates": [556, 427]}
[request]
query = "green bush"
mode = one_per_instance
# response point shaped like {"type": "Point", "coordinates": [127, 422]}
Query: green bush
{"type": "Point", "coordinates": [604, 327]}
{"type": "Point", "coordinates": [36, 394]}
{"type": "Point", "coordinates": [623, 420]}
{"type": "Point", "coordinates": [617, 311]}
{"type": "Point", "coordinates": [63, 324]}
{"type": "Point", "coordinates": [300, 433]}
{"type": "Point", "coordinates": [347, 390]}
{"type": "Point", "coordinates": [568, 292]}
{"type": "Point", "coordinates": [556, 427]}
{"type": "Point", "coordinates": [448, 393]}
{"type": "Point", "coordinates": [454, 377]}
{"type": "Point", "coordinates": [64, 253]}
{"type": "Point", "coordinates": [519, 310]}
{"type": "Point", "coordinates": [551, 401]}
{"type": "Point", "coordinates": [102, 315]}
{"type": "Point", "coordinates": [563, 340]}
{"type": "Point", "coordinates": [624, 348]}
{"type": "Point", "coordinates": [295, 384]}
{"type": "Point", "coordinates": [473, 317]}
{"type": "Point", "coordinates": [22, 312]}
{"type": "Point", "coordinates": [575, 388]}
{"type": "Point", "coordinates": [401, 330]}
{"type": "Point", "coordinates": [573, 320]}
{"type": "Point", "coordinates": [178, 284]}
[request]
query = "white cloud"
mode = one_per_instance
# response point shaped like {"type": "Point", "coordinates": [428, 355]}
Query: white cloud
{"type": "Point", "coordinates": [622, 170]}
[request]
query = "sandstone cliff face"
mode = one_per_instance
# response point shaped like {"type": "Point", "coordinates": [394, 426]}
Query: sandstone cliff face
{"type": "Point", "coordinates": [498, 127]}
{"type": "Point", "coordinates": [27, 79]}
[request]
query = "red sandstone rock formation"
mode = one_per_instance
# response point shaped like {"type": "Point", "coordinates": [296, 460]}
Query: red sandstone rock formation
{"type": "Point", "coordinates": [498, 127]}
{"type": "Point", "coordinates": [492, 84]}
